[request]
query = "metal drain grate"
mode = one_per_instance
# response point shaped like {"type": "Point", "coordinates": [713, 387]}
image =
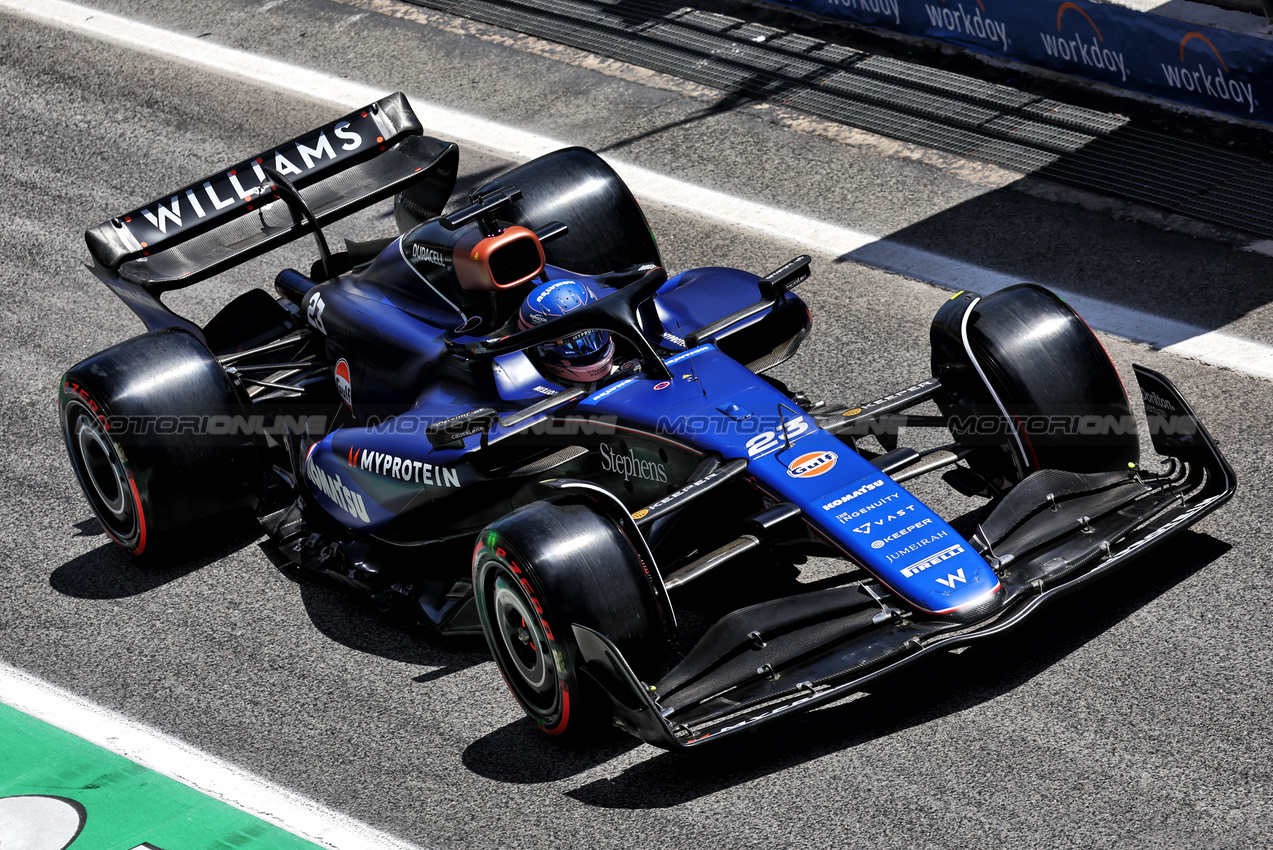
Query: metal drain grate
{"type": "Point", "coordinates": [1068, 144]}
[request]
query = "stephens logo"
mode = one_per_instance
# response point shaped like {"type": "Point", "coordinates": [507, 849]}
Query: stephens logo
{"type": "Point", "coordinates": [812, 464]}
{"type": "Point", "coordinates": [1216, 83]}
{"type": "Point", "coordinates": [631, 466]}
{"type": "Point", "coordinates": [343, 386]}
{"type": "Point", "coordinates": [1083, 49]}
{"type": "Point", "coordinates": [956, 19]}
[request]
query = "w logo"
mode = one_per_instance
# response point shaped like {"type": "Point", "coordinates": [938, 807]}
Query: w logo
{"type": "Point", "coordinates": [951, 579]}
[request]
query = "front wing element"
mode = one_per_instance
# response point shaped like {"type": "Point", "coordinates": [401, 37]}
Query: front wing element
{"type": "Point", "coordinates": [862, 647]}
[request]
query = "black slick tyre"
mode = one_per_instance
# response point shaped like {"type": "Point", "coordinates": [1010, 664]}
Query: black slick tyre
{"type": "Point", "coordinates": [1024, 359]}
{"type": "Point", "coordinates": [541, 569]}
{"type": "Point", "coordinates": [150, 428]}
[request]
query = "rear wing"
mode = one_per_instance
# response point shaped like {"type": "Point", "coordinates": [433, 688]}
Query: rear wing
{"type": "Point", "coordinates": [236, 214]}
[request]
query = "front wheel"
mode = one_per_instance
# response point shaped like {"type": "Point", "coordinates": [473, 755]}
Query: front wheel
{"type": "Point", "coordinates": [1028, 386]}
{"type": "Point", "coordinates": [543, 568]}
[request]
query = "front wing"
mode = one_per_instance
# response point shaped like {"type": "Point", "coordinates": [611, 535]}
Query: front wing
{"type": "Point", "coordinates": [871, 640]}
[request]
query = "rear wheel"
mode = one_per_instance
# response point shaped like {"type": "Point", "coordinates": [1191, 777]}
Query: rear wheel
{"type": "Point", "coordinates": [1029, 386]}
{"type": "Point", "coordinates": [543, 568]}
{"type": "Point", "coordinates": [151, 432]}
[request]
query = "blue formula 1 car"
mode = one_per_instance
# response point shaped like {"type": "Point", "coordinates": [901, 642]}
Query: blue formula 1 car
{"type": "Point", "coordinates": [510, 420]}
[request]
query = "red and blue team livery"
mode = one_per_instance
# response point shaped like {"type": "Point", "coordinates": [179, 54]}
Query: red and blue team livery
{"type": "Point", "coordinates": [507, 418]}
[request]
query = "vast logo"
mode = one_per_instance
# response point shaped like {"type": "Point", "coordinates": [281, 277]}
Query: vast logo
{"type": "Point", "coordinates": [1216, 84]}
{"type": "Point", "coordinates": [956, 19]}
{"type": "Point", "coordinates": [812, 464]}
{"type": "Point", "coordinates": [1080, 51]}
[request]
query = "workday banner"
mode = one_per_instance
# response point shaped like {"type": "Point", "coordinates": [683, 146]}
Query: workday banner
{"type": "Point", "coordinates": [1205, 67]}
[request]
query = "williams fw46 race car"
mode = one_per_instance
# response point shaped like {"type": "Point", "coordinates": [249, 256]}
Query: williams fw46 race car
{"type": "Point", "coordinates": [509, 419]}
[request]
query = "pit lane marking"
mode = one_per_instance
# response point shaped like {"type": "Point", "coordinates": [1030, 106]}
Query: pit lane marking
{"type": "Point", "coordinates": [1213, 347]}
{"type": "Point", "coordinates": [304, 818]}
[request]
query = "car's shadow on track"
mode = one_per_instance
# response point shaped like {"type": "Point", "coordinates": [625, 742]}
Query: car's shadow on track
{"type": "Point", "coordinates": [934, 688]}
{"type": "Point", "coordinates": [108, 572]}
{"type": "Point", "coordinates": [353, 621]}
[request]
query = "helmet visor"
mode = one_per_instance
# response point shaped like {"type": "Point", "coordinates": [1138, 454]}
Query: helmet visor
{"type": "Point", "coordinates": [582, 344]}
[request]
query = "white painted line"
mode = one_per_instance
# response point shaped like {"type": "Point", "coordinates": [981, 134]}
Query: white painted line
{"type": "Point", "coordinates": [1179, 338]}
{"type": "Point", "coordinates": [164, 754]}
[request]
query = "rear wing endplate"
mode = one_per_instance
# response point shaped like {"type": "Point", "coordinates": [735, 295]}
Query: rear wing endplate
{"type": "Point", "coordinates": [235, 215]}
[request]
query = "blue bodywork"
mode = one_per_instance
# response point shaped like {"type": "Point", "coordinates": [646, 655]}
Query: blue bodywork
{"type": "Point", "coordinates": [381, 478]}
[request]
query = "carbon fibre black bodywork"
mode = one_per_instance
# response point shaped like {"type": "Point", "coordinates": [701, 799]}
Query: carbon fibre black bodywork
{"type": "Point", "coordinates": [416, 451]}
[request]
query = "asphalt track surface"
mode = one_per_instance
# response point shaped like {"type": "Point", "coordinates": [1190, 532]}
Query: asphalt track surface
{"type": "Point", "coordinates": [1133, 715]}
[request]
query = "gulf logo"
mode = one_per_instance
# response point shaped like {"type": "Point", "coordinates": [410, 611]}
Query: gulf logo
{"type": "Point", "coordinates": [812, 464]}
{"type": "Point", "coordinates": [342, 382]}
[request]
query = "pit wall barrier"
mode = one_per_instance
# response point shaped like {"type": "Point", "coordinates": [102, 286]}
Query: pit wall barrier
{"type": "Point", "coordinates": [1213, 69]}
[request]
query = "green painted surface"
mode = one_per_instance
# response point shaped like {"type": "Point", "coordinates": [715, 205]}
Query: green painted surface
{"type": "Point", "coordinates": [124, 805]}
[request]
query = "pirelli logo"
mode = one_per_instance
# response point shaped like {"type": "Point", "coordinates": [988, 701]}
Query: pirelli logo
{"type": "Point", "coordinates": [933, 560]}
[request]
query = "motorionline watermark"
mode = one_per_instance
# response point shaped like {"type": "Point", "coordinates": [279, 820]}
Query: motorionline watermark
{"type": "Point", "coordinates": [1033, 425]}
{"type": "Point", "coordinates": [684, 427]}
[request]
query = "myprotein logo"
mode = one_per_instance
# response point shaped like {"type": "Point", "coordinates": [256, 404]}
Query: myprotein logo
{"type": "Point", "coordinates": [969, 20]}
{"type": "Point", "coordinates": [630, 466]}
{"type": "Point", "coordinates": [1210, 76]}
{"type": "Point", "coordinates": [403, 469]}
{"type": "Point", "coordinates": [812, 464]}
{"type": "Point", "coordinates": [1086, 47]}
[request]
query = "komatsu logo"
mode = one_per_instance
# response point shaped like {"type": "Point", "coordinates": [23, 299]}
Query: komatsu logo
{"type": "Point", "coordinates": [933, 560]}
{"type": "Point", "coordinates": [848, 497]}
{"type": "Point", "coordinates": [333, 488]}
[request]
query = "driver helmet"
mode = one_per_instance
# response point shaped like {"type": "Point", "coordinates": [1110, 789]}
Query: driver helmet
{"type": "Point", "coordinates": [582, 357]}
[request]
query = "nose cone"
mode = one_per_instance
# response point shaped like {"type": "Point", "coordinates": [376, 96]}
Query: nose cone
{"type": "Point", "coordinates": [39, 823]}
